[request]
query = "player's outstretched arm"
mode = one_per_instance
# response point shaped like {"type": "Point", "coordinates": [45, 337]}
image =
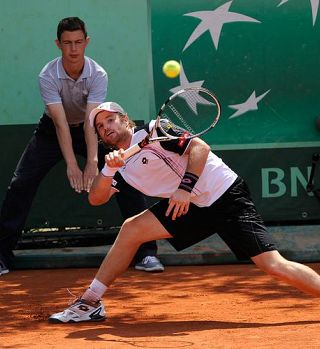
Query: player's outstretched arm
{"type": "Point", "coordinates": [101, 190]}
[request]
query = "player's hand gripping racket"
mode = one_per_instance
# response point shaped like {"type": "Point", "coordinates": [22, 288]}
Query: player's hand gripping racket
{"type": "Point", "coordinates": [194, 109]}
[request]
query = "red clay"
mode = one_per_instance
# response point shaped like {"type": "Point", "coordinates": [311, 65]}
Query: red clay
{"type": "Point", "coordinates": [229, 306]}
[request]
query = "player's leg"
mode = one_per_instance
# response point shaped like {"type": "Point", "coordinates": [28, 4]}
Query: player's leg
{"type": "Point", "coordinates": [136, 230]}
{"type": "Point", "coordinates": [250, 239]}
{"type": "Point", "coordinates": [246, 234]}
{"type": "Point", "coordinates": [298, 275]}
{"type": "Point", "coordinates": [40, 155]}
{"type": "Point", "coordinates": [132, 202]}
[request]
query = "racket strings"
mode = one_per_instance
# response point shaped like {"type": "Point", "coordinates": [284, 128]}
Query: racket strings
{"type": "Point", "coordinates": [184, 123]}
{"type": "Point", "coordinates": [192, 99]}
{"type": "Point", "coordinates": [194, 110]}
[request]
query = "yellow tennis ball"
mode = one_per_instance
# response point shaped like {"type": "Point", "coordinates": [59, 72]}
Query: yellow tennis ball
{"type": "Point", "coordinates": [171, 69]}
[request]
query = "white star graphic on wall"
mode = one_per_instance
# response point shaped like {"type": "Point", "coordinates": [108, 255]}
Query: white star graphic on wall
{"type": "Point", "coordinates": [184, 83]}
{"type": "Point", "coordinates": [314, 8]}
{"type": "Point", "coordinates": [214, 21]}
{"type": "Point", "coordinates": [282, 2]}
{"type": "Point", "coordinates": [250, 104]}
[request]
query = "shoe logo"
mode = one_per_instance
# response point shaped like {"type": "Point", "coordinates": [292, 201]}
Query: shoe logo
{"type": "Point", "coordinates": [83, 307]}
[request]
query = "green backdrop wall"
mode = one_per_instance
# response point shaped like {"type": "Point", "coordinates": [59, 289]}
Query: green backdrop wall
{"type": "Point", "coordinates": [261, 58]}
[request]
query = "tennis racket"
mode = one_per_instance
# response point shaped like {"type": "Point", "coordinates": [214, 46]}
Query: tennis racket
{"type": "Point", "coordinates": [194, 109]}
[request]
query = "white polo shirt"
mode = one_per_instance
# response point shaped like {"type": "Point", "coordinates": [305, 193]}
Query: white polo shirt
{"type": "Point", "coordinates": [158, 168]}
{"type": "Point", "coordinates": [57, 87]}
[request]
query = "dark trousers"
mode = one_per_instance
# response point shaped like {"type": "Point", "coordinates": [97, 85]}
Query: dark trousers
{"type": "Point", "coordinates": [41, 154]}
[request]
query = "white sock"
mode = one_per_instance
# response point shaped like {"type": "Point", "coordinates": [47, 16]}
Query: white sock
{"type": "Point", "coordinates": [95, 291]}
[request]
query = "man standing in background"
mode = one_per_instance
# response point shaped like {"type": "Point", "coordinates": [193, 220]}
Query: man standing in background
{"type": "Point", "coordinates": [71, 86]}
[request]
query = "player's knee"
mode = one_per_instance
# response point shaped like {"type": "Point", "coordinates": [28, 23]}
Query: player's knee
{"type": "Point", "coordinates": [271, 263]}
{"type": "Point", "coordinates": [131, 230]}
{"type": "Point", "coordinates": [275, 268]}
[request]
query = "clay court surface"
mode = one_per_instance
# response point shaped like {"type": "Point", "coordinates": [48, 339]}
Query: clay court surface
{"type": "Point", "coordinates": [218, 306]}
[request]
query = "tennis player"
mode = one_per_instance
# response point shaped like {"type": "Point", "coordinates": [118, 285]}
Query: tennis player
{"type": "Point", "coordinates": [201, 196]}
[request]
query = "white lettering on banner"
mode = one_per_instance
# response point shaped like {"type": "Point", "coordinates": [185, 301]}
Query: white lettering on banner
{"type": "Point", "coordinates": [279, 188]}
{"type": "Point", "coordinates": [272, 181]}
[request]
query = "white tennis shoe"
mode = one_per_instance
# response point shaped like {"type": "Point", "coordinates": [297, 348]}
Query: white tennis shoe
{"type": "Point", "coordinates": [79, 311]}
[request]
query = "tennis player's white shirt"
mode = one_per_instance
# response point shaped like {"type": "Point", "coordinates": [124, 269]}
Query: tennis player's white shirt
{"type": "Point", "coordinates": [157, 172]}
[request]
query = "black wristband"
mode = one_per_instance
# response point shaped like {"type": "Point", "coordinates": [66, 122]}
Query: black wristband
{"type": "Point", "coordinates": [188, 182]}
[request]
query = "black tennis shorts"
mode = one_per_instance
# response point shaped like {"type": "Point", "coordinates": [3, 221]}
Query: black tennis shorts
{"type": "Point", "coordinates": [233, 217]}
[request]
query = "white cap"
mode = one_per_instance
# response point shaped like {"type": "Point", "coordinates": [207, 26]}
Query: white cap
{"type": "Point", "coordinates": [107, 106]}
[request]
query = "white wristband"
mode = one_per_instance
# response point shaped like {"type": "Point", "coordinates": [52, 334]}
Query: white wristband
{"type": "Point", "coordinates": [108, 171]}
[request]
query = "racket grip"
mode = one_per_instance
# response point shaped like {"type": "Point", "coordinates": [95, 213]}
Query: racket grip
{"type": "Point", "coordinates": [134, 149]}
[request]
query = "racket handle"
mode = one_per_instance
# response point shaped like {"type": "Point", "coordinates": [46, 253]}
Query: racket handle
{"type": "Point", "coordinates": [134, 149]}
